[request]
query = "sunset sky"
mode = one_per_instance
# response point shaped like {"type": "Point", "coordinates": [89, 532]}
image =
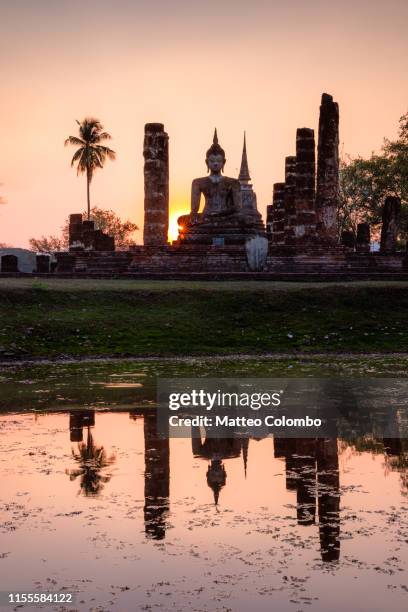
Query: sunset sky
{"type": "Point", "coordinates": [258, 66]}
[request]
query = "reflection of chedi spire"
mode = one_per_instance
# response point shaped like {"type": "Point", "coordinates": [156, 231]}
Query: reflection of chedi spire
{"type": "Point", "coordinates": [244, 176]}
{"type": "Point", "coordinates": [245, 446]}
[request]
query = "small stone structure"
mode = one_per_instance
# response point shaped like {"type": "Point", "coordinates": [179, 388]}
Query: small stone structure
{"type": "Point", "coordinates": [348, 239]}
{"type": "Point", "coordinates": [156, 184]}
{"type": "Point", "coordinates": [9, 264]}
{"type": "Point", "coordinates": [26, 260]}
{"type": "Point", "coordinates": [390, 222]}
{"type": "Point", "coordinates": [43, 264]}
{"type": "Point", "coordinates": [257, 252]}
{"type": "Point", "coordinates": [84, 237]}
{"type": "Point", "coordinates": [363, 240]}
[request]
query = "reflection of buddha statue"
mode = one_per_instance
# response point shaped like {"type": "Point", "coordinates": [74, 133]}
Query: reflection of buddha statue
{"type": "Point", "coordinates": [216, 478]}
{"type": "Point", "coordinates": [223, 218]}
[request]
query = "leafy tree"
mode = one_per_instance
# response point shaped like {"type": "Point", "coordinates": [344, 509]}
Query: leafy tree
{"type": "Point", "coordinates": [105, 220]}
{"type": "Point", "coordinates": [47, 244]}
{"type": "Point", "coordinates": [91, 153]}
{"type": "Point", "coordinates": [364, 183]}
{"type": "Point", "coordinates": [109, 222]}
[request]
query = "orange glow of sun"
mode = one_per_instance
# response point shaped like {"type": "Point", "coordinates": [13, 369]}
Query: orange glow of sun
{"type": "Point", "coordinates": [173, 225]}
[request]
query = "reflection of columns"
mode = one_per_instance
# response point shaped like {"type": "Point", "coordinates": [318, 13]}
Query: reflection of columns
{"type": "Point", "coordinates": [328, 488]}
{"type": "Point", "coordinates": [157, 479]}
{"type": "Point", "coordinates": [308, 460]}
{"type": "Point", "coordinates": [78, 419]}
{"type": "Point", "coordinates": [300, 474]}
{"type": "Point", "coordinates": [392, 446]}
{"type": "Point", "coordinates": [306, 481]}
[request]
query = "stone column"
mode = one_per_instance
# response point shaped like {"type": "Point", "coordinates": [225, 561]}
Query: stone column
{"type": "Point", "coordinates": [390, 224]}
{"type": "Point", "coordinates": [327, 190]}
{"type": "Point", "coordinates": [290, 207]}
{"type": "Point", "coordinates": [75, 232]}
{"type": "Point", "coordinates": [305, 228]}
{"type": "Point", "coordinates": [363, 238]}
{"type": "Point", "coordinates": [278, 219]}
{"type": "Point", "coordinates": [269, 221]}
{"type": "Point", "coordinates": [156, 184]}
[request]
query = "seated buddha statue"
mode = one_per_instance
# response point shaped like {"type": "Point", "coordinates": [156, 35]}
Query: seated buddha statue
{"type": "Point", "coordinates": [221, 193]}
{"type": "Point", "coordinates": [222, 217]}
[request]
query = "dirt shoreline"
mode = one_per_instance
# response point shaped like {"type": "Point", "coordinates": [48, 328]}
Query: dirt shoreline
{"type": "Point", "coordinates": [203, 357]}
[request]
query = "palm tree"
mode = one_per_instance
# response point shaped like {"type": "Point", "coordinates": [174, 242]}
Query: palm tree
{"type": "Point", "coordinates": [91, 153]}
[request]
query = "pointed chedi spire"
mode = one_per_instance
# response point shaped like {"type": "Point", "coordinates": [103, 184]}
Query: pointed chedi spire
{"type": "Point", "coordinates": [244, 176]}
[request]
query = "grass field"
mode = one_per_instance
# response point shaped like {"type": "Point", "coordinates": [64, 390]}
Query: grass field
{"type": "Point", "coordinates": [78, 318]}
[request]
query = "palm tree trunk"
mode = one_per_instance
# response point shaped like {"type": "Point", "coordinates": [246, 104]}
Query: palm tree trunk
{"type": "Point", "coordinates": [88, 182]}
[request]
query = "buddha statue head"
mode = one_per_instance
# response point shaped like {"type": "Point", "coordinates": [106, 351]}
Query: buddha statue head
{"type": "Point", "coordinates": [215, 157]}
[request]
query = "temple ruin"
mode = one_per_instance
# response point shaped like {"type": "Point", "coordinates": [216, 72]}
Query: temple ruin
{"type": "Point", "coordinates": [224, 235]}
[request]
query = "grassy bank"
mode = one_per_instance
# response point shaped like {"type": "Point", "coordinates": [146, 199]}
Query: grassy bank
{"type": "Point", "coordinates": [57, 318]}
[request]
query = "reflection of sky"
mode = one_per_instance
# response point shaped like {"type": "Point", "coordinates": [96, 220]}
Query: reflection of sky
{"type": "Point", "coordinates": [250, 543]}
{"type": "Point", "coordinates": [259, 66]}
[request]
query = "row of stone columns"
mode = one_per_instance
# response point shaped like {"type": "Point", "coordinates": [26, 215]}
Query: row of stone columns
{"type": "Point", "coordinates": [304, 209]}
{"type": "Point", "coordinates": [310, 202]}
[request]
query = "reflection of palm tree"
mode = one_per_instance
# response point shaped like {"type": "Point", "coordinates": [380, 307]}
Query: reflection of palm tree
{"type": "Point", "coordinates": [92, 459]}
